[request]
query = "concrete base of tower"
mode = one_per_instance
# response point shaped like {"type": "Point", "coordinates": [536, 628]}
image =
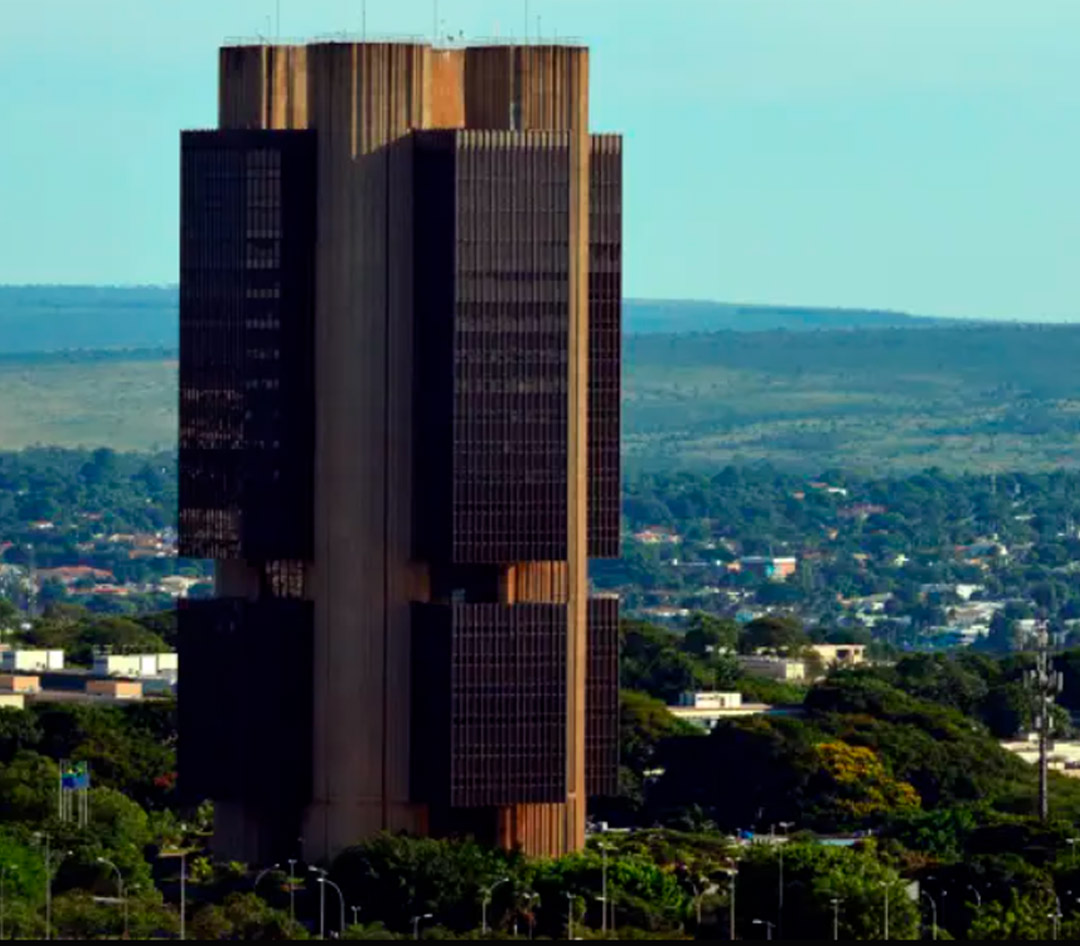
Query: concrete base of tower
{"type": "Point", "coordinates": [331, 827]}
{"type": "Point", "coordinates": [537, 830]}
{"type": "Point", "coordinates": [255, 837]}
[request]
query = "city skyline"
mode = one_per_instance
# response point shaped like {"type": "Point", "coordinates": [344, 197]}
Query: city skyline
{"type": "Point", "coordinates": [914, 157]}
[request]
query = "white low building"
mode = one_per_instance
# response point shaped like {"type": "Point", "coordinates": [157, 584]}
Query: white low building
{"type": "Point", "coordinates": [1063, 755]}
{"type": "Point", "coordinates": [776, 668]}
{"type": "Point", "coordinates": [706, 709]}
{"type": "Point", "coordinates": [135, 665]}
{"type": "Point", "coordinates": [32, 660]}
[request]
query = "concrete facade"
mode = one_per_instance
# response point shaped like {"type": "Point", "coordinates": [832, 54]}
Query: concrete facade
{"type": "Point", "coordinates": [364, 101]}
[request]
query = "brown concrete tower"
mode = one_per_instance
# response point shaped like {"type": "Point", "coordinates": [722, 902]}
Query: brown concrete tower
{"type": "Point", "coordinates": [400, 327]}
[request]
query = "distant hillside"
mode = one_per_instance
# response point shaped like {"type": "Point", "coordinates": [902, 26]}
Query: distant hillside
{"type": "Point", "coordinates": [56, 318]}
{"type": "Point", "coordinates": [656, 316]}
{"type": "Point", "coordinates": [90, 366]}
{"type": "Point", "coordinates": [1001, 397]}
{"type": "Point", "coordinates": [960, 397]}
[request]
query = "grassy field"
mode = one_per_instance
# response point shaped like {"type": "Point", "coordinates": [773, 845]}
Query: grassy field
{"type": "Point", "coordinates": [1003, 397]}
{"type": "Point", "coordinates": [124, 403]}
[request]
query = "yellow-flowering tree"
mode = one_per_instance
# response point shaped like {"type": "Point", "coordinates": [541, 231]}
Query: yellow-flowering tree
{"type": "Point", "coordinates": [862, 787]}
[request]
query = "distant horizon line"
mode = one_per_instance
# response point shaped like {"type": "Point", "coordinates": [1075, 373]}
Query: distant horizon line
{"type": "Point", "coordinates": [655, 300]}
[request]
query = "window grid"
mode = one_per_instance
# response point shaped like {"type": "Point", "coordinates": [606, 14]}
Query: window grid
{"type": "Point", "coordinates": [246, 344]}
{"type": "Point", "coordinates": [602, 698]}
{"type": "Point", "coordinates": [605, 339]}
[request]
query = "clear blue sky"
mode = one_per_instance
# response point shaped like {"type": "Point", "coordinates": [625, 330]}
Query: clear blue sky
{"type": "Point", "coordinates": [921, 155]}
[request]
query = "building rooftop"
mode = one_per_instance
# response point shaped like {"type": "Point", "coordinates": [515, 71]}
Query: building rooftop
{"type": "Point", "coordinates": [447, 41]}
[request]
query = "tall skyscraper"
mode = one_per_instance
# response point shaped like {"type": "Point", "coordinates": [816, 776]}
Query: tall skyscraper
{"type": "Point", "coordinates": [399, 440]}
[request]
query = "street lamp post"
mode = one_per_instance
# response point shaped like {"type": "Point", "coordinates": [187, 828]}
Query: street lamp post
{"type": "Point", "coordinates": [732, 873]}
{"type": "Point", "coordinates": [355, 915]}
{"type": "Point", "coordinates": [569, 915]}
{"type": "Point", "coordinates": [1054, 918]}
{"type": "Point", "coordinates": [836, 917]}
{"type": "Point", "coordinates": [292, 889]}
{"type": "Point", "coordinates": [181, 853]}
{"type": "Point", "coordinates": [784, 825]}
{"type": "Point", "coordinates": [320, 873]}
{"type": "Point", "coordinates": [120, 888]}
{"type": "Point", "coordinates": [261, 874]}
{"type": "Point", "coordinates": [183, 895]}
{"type": "Point", "coordinates": [933, 913]}
{"type": "Point", "coordinates": [48, 885]}
{"type": "Point", "coordinates": [768, 927]}
{"type": "Point", "coordinates": [324, 880]}
{"type": "Point", "coordinates": [44, 835]}
{"type": "Point", "coordinates": [416, 924]}
{"type": "Point", "coordinates": [529, 898]}
{"type": "Point", "coordinates": [603, 887]}
{"type": "Point", "coordinates": [486, 899]}
{"type": "Point", "coordinates": [3, 874]}
{"type": "Point", "coordinates": [697, 900]}
{"type": "Point", "coordinates": [1072, 846]}
{"type": "Point", "coordinates": [978, 897]}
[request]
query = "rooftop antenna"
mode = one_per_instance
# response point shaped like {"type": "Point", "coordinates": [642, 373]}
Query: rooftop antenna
{"type": "Point", "coordinates": [434, 21]}
{"type": "Point", "coordinates": [277, 22]}
{"type": "Point", "coordinates": [526, 22]}
{"type": "Point", "coordinates": [363, 20]}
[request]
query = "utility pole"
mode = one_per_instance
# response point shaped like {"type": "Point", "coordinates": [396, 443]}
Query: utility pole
{"type": "Point", "coordinates": [1045, 684]}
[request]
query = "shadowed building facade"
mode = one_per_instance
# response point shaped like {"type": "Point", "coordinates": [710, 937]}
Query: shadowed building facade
{"type": "Point", "coordinates": [399, 440]}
